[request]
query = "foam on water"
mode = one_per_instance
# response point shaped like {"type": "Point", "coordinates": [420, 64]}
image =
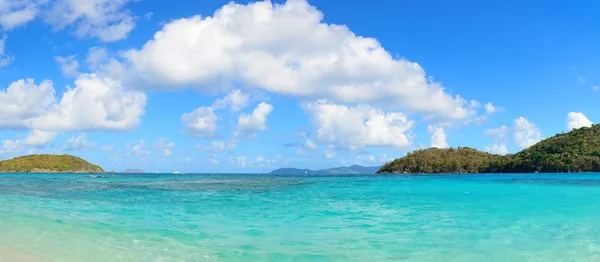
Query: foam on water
{"type": "Point", "coordinates": [308, 218]}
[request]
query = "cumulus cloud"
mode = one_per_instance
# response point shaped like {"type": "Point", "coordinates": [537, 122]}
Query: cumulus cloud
{"type": "Point", "coordinates": [526, 133]}
{"type": "Point", "coordinates": [164, 147]}
{"type": "Point", "coordinates": [69, 66]}
{"type": "Point", "coordinates": [137, 150]}
{"type": "Point", "coordinates": [79, 143]}
{"type": "Point", "coordinates": [438, 136]}
{"type": "Point", "coordinates": [252, 45]}
{"type": "Point", "coordinates": [202, 122]}
{"type": "Point", "coordinates": [23, 100]}
{"type": "Point", "coordinates": [490, 109]}
{"type": "Point", "coordinates": [358, 127]}
{"type": "Point", "coordinates": [235, 100]}
{"type": "Point", "coordinates": [499, 134]}
{"type": "Point", "coordinates": [108, 20]}
{"type": "Point", "coordinates": [93, 104]}
{"type": "Point", "coordinates": [577, 120]}
{"type": "Point", "coordinates": [14, 13]}
{"type": "Point", "coordinates": [499, 149]}
{"type": "Point", "coordinates": [250, 124]}
{"type": "Point", "coordinates": [96, 57]}
{"type": "Point", "coordinates": [219, 146]}
{"type": "Point", "coordinates": [39, 138]}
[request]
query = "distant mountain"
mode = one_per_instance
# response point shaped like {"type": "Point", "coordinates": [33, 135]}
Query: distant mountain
{"type": "Point", "coordinates": [355, 169]}
{"type": "Point", "coordinates": [132, 171]}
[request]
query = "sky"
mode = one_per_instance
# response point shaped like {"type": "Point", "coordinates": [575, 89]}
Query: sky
{"type": "Point", "coordinates": [216, 86]}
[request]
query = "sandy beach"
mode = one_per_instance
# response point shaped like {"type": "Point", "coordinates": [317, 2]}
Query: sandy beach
{"type": "Point", "coordinates": [12, 255]}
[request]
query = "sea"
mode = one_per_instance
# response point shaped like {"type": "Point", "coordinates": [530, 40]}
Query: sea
{"type": "Point", "coordinates": [252, 217]}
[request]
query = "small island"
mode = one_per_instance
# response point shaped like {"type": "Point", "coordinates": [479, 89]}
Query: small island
{"type": "Point", "coordinates": [575, 151]}
{"type": "Point", "coordinates": [48, 164]}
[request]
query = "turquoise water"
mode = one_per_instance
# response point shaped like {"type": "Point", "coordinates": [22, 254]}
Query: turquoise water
{"type": "Point", "coordinates": [270, 218]}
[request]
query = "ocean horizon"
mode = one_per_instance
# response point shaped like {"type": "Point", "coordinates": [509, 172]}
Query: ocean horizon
{"type": "Point", "coordinates": [262, 217]}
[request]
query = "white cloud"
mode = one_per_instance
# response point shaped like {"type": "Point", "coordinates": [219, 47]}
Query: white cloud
{"type": "Point", "coordinates": [219, 146]}
{"type": "Point", "coordinates": [94, 104]}
{"type": "Point", "coordinates": [236, 100]}
{"type": "Point", "coordinates": [96, 57]}
{"type": "Point", "coordinates": [358, 127]}
{"type": "Point", "coordinates": [69, 66]}
{"type": "Point", "coordinates": [499, 149]}
{"type": "Point", "coordinates": [310, 145]}
{"type": "Point", "coordinates": [107, 20]}
{"type": "Point", "coordinates": [10, 145]}
{"type": "Point", "coordinates": [252, 45]}
{"type": "Point", "coordinates": [577, 120]}
{"type": "Point", "coordinates": [137, 150]}
{"type": "Point", "coordinates": [14, 13]}
{"type": "Point", "coordinates": [526, 133]}
{"type": "Point", "coordinates": [39, 138]}
{"type": "Point", "coordinates": [4, 59]}
{"type": "Point", "coordinates": [438, 136]}
{"type": "Point", "coordinates": [499, 132]}
{"type": "Point", "coordinates": [595, 88]}
{"type": "Point", "coordinates": [499, 135]}
{"type": "Point", "coordinates": [79, 143]}
{"type": "Point", "coordinates": [164, 147]}
{"type": "Point", "coordinates": [24, 100]}
{"type": "Point", "coordinates": [202, 122]}
{"type": "Point", "coordinates": [490, 109]}
{"type": "Point", "coordinates": [250, 124]}
{"type": "Point", "coordinates": [149, 15]}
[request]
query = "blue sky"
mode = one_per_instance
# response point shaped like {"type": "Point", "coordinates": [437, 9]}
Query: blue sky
{"type": "Point", "coordinates": [213, 86]}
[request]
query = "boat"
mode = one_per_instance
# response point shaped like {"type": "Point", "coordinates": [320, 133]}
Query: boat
{"type": "Point", "coordinates": [176, 172]}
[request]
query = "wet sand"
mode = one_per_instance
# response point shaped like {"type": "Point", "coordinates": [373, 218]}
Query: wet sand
{"type": "Point", "coordinates": [12, 255]}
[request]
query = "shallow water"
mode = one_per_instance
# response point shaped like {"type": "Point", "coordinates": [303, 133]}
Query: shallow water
{"type": "Point", "coordinates": [308, 218]}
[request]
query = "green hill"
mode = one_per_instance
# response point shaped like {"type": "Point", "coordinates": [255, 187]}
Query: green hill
{"type": "Point", "coordinates": [440, 161]}
{"type": "Point", "coordinates": [575, 151]}
{"type": "Point", "coordinates": [48, 164]}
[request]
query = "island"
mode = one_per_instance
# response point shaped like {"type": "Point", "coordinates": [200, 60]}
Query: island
{"type": "Point", "coordinates": [575, 151]}
{"type": "Point", "coordinates": [348, 170]}
{"type": "Point", "coordinates": [48, 164]}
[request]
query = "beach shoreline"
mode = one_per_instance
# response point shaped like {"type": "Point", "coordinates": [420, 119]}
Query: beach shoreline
{"type": "Point", "coordinates": [8, 254]}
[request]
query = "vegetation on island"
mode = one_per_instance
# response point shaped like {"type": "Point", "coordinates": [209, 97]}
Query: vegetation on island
{"type": "Point", "coordinates": [48, 164]}
{"type": "Point", "coordinates": [575, 151]}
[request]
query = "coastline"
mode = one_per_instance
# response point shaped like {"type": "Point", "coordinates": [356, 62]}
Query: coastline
{"type": "Point", "coordinates": [8, 254]}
